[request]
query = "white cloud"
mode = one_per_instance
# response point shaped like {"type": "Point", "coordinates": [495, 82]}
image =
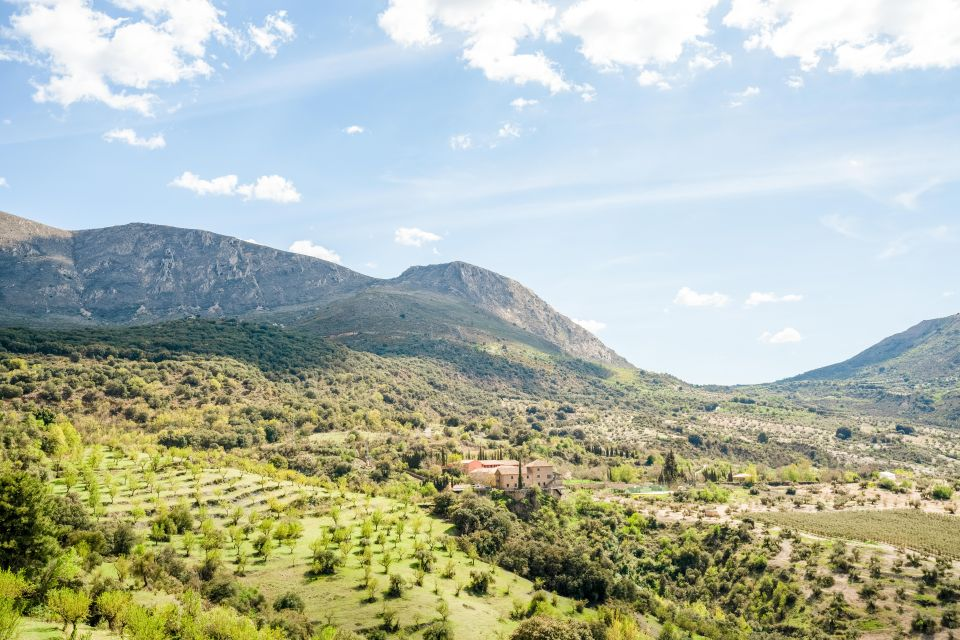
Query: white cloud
{"type": "Point", "coordinates": [859, 36]}
{"type": "Point", "coordinates": [907, 242]}
{"type": "Point", "coordinates": [795, 82]}
{"type": "Point", "coordinates": [586, 91]}
{"type": "Point", "coordinates": [130, 137]}
{"type": "Point", "coordinates": [222, 186]}
{"type": "Point", "coordinates": [708, 58]}
{"type": "Point", "coordinates": [119, 61]}
{"type": "Point", "coordinates": [413, 237]}
{"type": "Point", "coordinates": [738, 98]}
{"type": "Point", "coordinates": [628, 33]}
{"type": "Point", "coordinates": [844, 225]}
{"type": "Point", "coordinates": [353, 130]}
{"type": "Point", "coordinates": [3, 183]}
{"type": "Point", "coordinates": [276, 30]}
{"type": "Point", "coordinates": [687, 297]}
{"type": "Point", "coordinates": [461, 142]}
{"type": "Point", "coordinates": [492, 29]}
{"type": "Point", "coordinates": [307, 248]}
{"type": "Point", "coordinates": [272, 188]}
{"type": "Point", "coordinates": [593, 326]}
{"type": "Point", "coordinates": [784, 336]}
{"type": "Point", "coordinates": [949, 294]}
{"type": "Point", "coordinates": [759, 297]}
{"type": "Point", "coordinates": [649, 78]}
{"type": "Point", "coordinates": [522, 103]}
{"type": "Point", "coordinates": [509, 130]}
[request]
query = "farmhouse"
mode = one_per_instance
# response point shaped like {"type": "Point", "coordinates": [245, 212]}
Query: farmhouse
{"type": "Point", "coordinates": [510, 475]}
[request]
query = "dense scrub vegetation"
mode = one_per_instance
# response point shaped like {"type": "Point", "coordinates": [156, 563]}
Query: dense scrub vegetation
{"type": "Point", "coordinates": [231, 481]}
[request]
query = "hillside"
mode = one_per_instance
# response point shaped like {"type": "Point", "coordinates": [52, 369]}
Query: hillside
{"type": "Point", "coordinates": [925, 352]}
{"type": "Point", "coordinates": [914, 375]}
{"type": "Point", "coordinates": [142, 273]}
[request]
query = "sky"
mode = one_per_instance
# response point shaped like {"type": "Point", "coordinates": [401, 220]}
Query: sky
{"type": "Point", "coordinates": [731, 191]}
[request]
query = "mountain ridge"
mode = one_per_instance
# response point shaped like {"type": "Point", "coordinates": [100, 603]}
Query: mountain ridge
{"type": "Point", "coordinates": [142, 273]}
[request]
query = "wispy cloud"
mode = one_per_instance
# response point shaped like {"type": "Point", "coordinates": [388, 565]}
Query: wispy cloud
{"type": "Point", "coordinates": [844, 225]}
{"type": "Point", "coordinates": [413, 237]}
{"type": "Point", "coordinates": [739, 98]}
{"type": "Point", "coordinates": [910, 199]}
{"type": "Point", "coordinates": [784, 336]}
{"type": "Point", "coordinates": [130, 137]}
{"type": "Point", "coordinates": [3, 183]}
{"type": "Point", "coordinates": [509, 130]}
{"type": "Point", "coordinates": [912, 240]}
{"type": "Point", "coordinates": [519, 104]}
{"type": "Point", "coordinates": [687, 297]}
{"type": "Point", "coordinates": [461, 142]}
{"type": "Point", "coordinates": [758, 298]}
{"type": "Point", "coordinates": [354, 130]}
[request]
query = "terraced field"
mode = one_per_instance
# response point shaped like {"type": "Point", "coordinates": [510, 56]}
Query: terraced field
{"type": "Point", "coordinates": [929, 533]}
{"type": "Point", "coordinates": [354, 596]}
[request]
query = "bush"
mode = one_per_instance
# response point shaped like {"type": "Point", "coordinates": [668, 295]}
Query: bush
{"type": "Point", "coordinates": [924, 624]}
{"type": "Point", "coordinates": [844, 433]}
{"type": "Point", "coordinates": [289, 600]}
{"type": "Point", "coordinates": [941, 492]}
{"type": "Point", "coordinates": [951, 618]}
{"type": "Point", "coordinates": [545, 628]}
{"type": "Point", "coordinates": [438, 631]}
{"type": "Point", "coordinates": [480, 582]}
{"type": "Point", "coordinates": [397, 585]}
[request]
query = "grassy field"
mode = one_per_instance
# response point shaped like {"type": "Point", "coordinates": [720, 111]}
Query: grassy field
{"type": "Point", "coordinates": [228, 496]}
{"type": "Point", "coordinates": [928, 533]}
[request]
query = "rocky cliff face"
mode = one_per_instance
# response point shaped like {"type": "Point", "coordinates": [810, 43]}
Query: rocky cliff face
{"type": "Point", "coordinates": [141, 273]}
{"type": "Point", "coordinates": [510, 301]}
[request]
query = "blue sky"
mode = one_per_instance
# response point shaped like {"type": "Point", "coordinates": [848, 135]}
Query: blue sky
{"type": "Point", "coordinates": [665, 162]}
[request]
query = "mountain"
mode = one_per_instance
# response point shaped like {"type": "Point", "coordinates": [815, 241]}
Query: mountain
{"type": "Point", "coordinates": [913, 375]}
{"type": "Point", "coordinates": [144, 273]}
{"type": "Point", "coordinates": [925, 352]}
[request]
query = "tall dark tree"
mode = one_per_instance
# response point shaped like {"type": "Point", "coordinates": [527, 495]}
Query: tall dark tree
{"type": "Point", "coordinates": [670, 471]}
{"type": "Point", "coordinates": [26, 529]}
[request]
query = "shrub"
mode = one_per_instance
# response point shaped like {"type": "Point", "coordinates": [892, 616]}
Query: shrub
{"type": "Point", "coordinates": [289, 600]}
{"type": "Point", "coordinates": [397, 585]}
{"type": "Point", "coordinates": [941, 492]}
{"type": "Point", "coordinates": [480, 582]}
{"type": "Point", "coordinates": [951, 618]}
{"type": "Point", "coordinates": [438, 631]}
{"type": "Point", "coordinates": [843, 433]}
{"type": "Point", "coordinates": [923, 623]}
{"type": "Point", "coordinates": [545, 628]}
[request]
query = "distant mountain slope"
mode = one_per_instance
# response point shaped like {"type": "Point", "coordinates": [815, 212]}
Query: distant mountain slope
{"type": "Point", "coordinates": [143, 273]}
{"type": "Point", "coordinates": [924, 352]}
{"type": "Point", "coordinates": [912, 376]}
